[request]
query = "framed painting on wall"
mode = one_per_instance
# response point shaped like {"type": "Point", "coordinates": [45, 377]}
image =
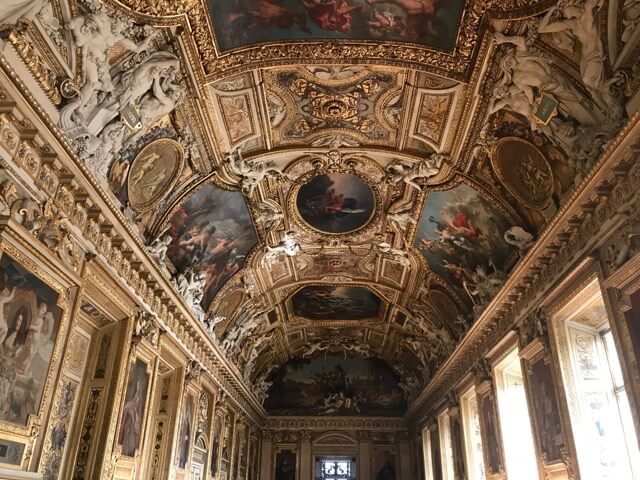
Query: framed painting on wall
{"type": "Point", "coordinates": [30, 318]}
{"type": "Point", "coordinates": [185, 432]}
{"type": "Point", "coordinates": [286, 465]}
{"type": "Point", "coordinates": [135, 399]}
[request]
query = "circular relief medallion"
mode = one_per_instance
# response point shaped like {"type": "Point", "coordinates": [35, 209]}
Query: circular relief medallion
{"type": "Point", "coordinates": [153, 173]}
{"type": "Point", "coordinates": [336, 203]}
{"type": "Point", "coordinates": [524, 171]}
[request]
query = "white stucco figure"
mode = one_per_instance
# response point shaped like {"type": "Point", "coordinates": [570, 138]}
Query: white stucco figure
{"type": "Point", "coordinates": [520, 238]}
{"type": "Point", "coordinates": [11, 11]}
{"type": "Point", "coordinates": [409, 173]}
{"type": "Point", "coordinates": [287, 246]}
{"type": "Point", "coordinates": [251, 172]}
{"type": "Point", "coordinates": [580, 21]}
{"type": "Point", "coordinates": [399, 255]}
{"type": "Point", "coordinates": [95, 34]}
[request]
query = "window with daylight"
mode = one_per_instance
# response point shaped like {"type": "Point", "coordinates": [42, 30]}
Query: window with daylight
{"type": "Point", "coordinates": [446, 450]}
{"type": "Point", "coordinates": [472, 435]}
{"type": "Point", "coordinates": [519, 451]}
{"type": "Point", "coordinates": [426, 454]}
{"type": "Point", "coordinates": [598, 402]}
{"type": "Point", "coordinates": [336, 468]}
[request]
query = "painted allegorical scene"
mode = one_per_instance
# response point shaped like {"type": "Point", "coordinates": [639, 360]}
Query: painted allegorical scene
{"type": "Point", "coordinates": [336, 203]}
{"type": "Point", "coordinates": [211, 236]}
{"type": "Point", "coordinates": [335, 385]}
{"type": "Point", "coordinates": [331, 302]}
{"type": "Point", "coordinates": [29, 323]}
{"type": "Point", "coordinates": [461, 236]}
{"type": "Point", "coordinates": [133, 411]}
{"type": "Point", "coordinates": [431, 23]}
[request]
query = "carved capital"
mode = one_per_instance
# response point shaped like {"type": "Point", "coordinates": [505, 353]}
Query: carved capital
{"type": "Point", "coordinates": [193, 371]}
{"type": "Point", "coordinates": [144, 327]}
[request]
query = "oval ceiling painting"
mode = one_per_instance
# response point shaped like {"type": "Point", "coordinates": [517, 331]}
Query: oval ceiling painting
{"type": "Point", "coordinates": [332, 302]}
{"type": "Point", "coordinates": [336, 203]}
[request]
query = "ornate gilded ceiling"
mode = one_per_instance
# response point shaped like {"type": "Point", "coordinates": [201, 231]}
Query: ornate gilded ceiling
{"type": "Point", "coordinates": [340, 177]}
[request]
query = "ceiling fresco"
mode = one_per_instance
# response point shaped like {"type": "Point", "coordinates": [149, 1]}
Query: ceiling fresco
{"type": "Point", "coordinates": [461, 235]}
{"type": "Point", "coordinates": [334, 187]}
{"type": "Point", "coordinates": [334, 385]}
{"type": "Point", "coordinates": [330, 302]}
{"type": "Point", "coordinates": [239, 23]}
{"type": "Point", "coordinates": [335, 203]}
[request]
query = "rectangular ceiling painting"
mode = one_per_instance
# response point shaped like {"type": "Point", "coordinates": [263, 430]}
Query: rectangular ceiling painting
{"type": "Point", "coordinates": [335, 385]}
{"type": "Point", "coordinates": [240, 23]}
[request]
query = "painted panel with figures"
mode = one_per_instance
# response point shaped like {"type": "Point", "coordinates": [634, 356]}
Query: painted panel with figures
{"type": "Point", "coordinates": [29, 323]}
{"type": "Point", "coordinates": [245, 22]}
{"type": "Point", "coordinates": [212, 234]}
{"type": "Point", "coordinates": [335, 385]}
{"type": "Point", "coordinates": [461, 235]}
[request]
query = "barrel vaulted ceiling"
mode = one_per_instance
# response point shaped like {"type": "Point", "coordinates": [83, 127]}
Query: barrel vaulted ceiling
{"type": "Point", "coordinates": [352, 177]}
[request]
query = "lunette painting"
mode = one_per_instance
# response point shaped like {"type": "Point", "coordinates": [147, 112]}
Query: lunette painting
{"type": "Point", "coordinates": [332, 302]}
{"type": "Point", "coordinates": [133, 411]}
{"type": "Point", "coordinates": [429, 23]}
{"type": "Point", "coordinates": [335, 203]}
{"type": "Point", "coordinates": [211, 235]}
{"type": "Point", "coordinates": [29, 323]}
{"type": "Point", "coordinates": [335, 385]}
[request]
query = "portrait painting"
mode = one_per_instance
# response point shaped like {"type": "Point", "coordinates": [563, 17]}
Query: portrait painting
{"type": "Point", "coordinates": [11, 452]}
{"type": "Point", "coordinates": [436, 457]}
{"type": "Point", "coordinates": [336, 203]}
{"type": "Point", "coordinates": [215, 444]}
{"type": "Point", "coordinates": [211, 235]}
{"type": "Point", "coordinates": [332, 302]}
{"type": "Point", "coordinates": [546, 412]}
{"type": "Point", "coordinates": [457, 446]}
{"type": "Point", "coordinates": [186, 431]}
{"type": "Point", "coordinates": [461, 235]}
{"type": "Point", "coordinates": [135, 399]}
{"type": "Point", "coordinates": [335, 385]}
{"type": "Point", "coordinates": [429, 23]}
{"type": "Point", "coordinates": [29, 322]}
{"type": "Point", "coordinates": [632, 320]}
{"type": "Point", "coordinates": [384, 465]}
{"type": "Point", "coordinates": [153, 172]}
{"type": "Point", "coordinates": [286, 465]}
{"type": "Point", "coordinates": [489, 423]}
